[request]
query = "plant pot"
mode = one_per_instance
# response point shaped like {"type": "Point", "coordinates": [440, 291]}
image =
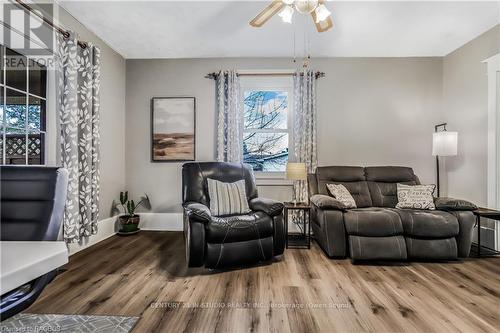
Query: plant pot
{"type": "Point", "coordinates": [129, 224]}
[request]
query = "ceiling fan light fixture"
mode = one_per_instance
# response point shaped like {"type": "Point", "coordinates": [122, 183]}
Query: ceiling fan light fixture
{"type": "Point", "coordinates": [305, 6]}
{"type": "Point", "coordinates": [286, 14]}
{"type": "Point", "coordinates": [322, 13]}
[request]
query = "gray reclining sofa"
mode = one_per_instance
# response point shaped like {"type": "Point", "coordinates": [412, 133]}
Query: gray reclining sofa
{"type": "Point", "coordinates": [376, 230]}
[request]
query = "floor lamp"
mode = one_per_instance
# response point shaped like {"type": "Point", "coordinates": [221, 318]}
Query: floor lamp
{"type": "Point", "coordinates": [444, 143]}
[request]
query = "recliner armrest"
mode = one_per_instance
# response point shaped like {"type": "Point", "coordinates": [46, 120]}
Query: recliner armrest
{"type": "Point", "coordinates": [453, 204]}
{"type": "Point", "coordinates": [268, 206]}
{"type": "Point", "coordinates": [326, 202]}
{"type": "Point", "coordinates": [198, 210]}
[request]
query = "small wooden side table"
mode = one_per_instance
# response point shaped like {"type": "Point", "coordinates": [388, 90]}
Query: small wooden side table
{"type": "Point", "coordinates": [489, 214]}
{"type": "Point", "coordinates": [300, 240]}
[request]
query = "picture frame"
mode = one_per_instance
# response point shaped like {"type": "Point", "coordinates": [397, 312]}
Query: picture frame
{"type": "Point", "coordinates": [173, 129]}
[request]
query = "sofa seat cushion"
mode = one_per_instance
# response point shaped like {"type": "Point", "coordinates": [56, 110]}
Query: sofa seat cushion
{"type": "Point", "coordinates": [433, 249]}
{"type": "Point", "coordinates": [428, 224]}
{"type": "Point", "coordinates": [373, 222]}
{"type": "Point", "coordinates": [238, 228]}
{"type": "Point", "coordinates": [377, 248]}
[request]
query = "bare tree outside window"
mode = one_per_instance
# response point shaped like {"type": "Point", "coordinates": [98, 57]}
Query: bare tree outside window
{"type": "Point", "coordinates": [265, 138]}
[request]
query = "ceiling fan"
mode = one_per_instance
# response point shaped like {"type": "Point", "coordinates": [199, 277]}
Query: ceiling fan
{"type": "Point", "coordinates": [320, 14]}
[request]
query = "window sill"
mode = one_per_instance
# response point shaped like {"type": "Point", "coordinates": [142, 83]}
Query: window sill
{"type": "Point", "coordinates": [272, 179]}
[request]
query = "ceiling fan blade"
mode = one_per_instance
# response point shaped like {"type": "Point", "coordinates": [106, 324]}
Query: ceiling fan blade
{"type": "Point", "coordinates": [273, 8]}
{"type": "Point", "coordinates": [324, 25]}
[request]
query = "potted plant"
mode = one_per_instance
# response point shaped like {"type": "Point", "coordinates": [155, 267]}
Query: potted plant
{"type": "Point", "coordinates": [130, 220]}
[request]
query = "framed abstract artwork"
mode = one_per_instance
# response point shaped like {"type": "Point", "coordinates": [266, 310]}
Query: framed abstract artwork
{"type": "Point", "coordinates": [173, 129]}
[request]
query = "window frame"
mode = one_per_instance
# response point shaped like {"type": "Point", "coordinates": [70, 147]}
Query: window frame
{"type": "Point", "coordinates": [262, 82]}
{"type": "Point", "coordinates": [42, 131]}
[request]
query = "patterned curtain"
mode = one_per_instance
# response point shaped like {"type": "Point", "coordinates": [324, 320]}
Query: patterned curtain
{"type": "Point", "coordinates": [229, 122]}
{"type": "Point", "coordinates": [304, 127]}
{"type": "Point", "coordinates": [78, 89]}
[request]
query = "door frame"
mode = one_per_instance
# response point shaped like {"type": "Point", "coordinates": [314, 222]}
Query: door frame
{"type": "Point", "coordinates": [493, 175]}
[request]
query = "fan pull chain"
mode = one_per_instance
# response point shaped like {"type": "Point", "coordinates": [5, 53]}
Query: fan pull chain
{"type": "Point", "coordinates": [294, 47]}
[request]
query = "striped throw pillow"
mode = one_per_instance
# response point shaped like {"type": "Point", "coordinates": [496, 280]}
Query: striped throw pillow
{"type": "Point", "coordinates": [227, 198]}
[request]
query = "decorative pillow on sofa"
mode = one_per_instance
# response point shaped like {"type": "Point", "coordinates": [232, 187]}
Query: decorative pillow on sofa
{"type": "Point", "coordinates": [340, 192]}
{"type": "Point", "coordinates": [415, 196]}
{"type": "Point", "coordinates": [227, 198]}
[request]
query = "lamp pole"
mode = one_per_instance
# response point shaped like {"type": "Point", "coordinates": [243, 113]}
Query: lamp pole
{"type": "Point", "coordinates": [436, 128]}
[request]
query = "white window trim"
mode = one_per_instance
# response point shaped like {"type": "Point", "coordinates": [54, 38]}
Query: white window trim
{"type": "Point", "coordinates": [271, 83]}
{"type": "Point", "coordinates": [493, 175]}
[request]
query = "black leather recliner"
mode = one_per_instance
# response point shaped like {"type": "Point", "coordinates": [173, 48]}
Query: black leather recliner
{"type": "Point", "coordinates": [228, 241]}
{"type": "Point", "coordinates": [31, 209]}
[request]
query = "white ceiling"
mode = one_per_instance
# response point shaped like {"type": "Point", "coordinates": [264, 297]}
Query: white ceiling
{"type": "Point", "coordinates": [194, 29]}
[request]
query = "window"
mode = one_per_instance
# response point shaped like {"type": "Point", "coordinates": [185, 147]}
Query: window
{"type": "Point", "coordinates": [267, 103]}
{"type": "Point", "coordinates": [23, 84]}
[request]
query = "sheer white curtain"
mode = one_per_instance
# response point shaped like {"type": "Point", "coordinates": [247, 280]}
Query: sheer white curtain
{"type": "Point", "coordinates": [305, 124]}
{"type": "Point", "coordinates": [229, 120]}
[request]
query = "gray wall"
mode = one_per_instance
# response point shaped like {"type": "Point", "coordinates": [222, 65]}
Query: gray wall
{"type": "Point", "coordinates": [465, 96]}
{"type": "Point", "coordinates": [371, 111]}
{"type": "Point", "coordinates": [112, 116]}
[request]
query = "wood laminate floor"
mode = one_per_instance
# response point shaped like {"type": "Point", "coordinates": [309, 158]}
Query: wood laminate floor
{"type": "Point", "coordinates": [145, 275]}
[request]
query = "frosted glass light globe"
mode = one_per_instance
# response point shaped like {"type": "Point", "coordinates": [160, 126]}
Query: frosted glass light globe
{"type": "Point", "coordinates": [286, 14]}
{"type": "Point", "coordinates": [305, 6]}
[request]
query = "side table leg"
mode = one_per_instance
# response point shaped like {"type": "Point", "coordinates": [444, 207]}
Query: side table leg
{"type": "Point", "coordinates": [309, 229]}
{"type": "Point", "coordinates": [478, 236]}
{"type": "Point", "coordinates": [304, 220]}
{"type": "Point", "coordinates": [286, 227]}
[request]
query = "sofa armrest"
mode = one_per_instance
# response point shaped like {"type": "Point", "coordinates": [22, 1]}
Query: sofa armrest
{"type": "Point", "coordinates": [198, 211]}
{"type": "Point", "coordinates": [466, 220]}
{"type": "Point", "coordinates": [326, 202]}
{"type": "Point", "coordinates": [453, 204]}
{"type": "Point", "coordinates": [329, 231]}
{"type": "Point", "coordinates": [268, 206]}
{"type": "Point", "coordinates": [194, 238]}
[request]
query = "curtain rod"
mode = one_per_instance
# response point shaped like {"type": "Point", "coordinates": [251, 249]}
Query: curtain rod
{"type": "Point", "coordinates": [60, 30]}
{"type": "Point", "coordinates": [214, 75]}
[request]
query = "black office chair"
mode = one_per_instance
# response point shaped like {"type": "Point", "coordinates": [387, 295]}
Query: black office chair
{"type": "Point", "coordinates": [32, 203]}
{"type": "Point", "coordinates": [228, 241]}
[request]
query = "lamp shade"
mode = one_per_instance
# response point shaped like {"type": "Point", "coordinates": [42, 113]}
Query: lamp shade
{"type": "Point", "coordinates": [296, 171]}
{"type": "Point", "coordinates": [444, 143]}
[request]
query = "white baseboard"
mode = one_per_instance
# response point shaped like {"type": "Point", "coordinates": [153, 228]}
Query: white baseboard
{"type": "Point", "coordinates": [149, 221]}
{"type": "Point", "coordinates": [161, 221]}
{"type": "Point", "coordinates": [105, 229]}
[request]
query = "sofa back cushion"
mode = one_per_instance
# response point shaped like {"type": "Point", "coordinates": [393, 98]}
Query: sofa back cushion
{"type": "Point", "coordinates": [353, 178]}
{"type": "Point", "coordinates": [382, 183]}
